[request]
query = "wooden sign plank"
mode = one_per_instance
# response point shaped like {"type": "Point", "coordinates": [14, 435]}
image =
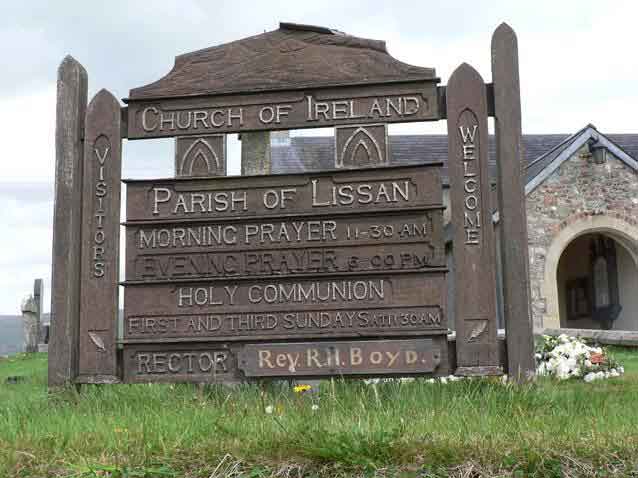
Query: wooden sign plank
{"type": "Point", "coordinates": [286, 195]}
{"type": "Point", "coordinates": [473, 240]}
{"type": "Point", "coordinates": [319, 108]}
{"type": "Point", "coordinates": [394, 227]}
{"type": "Point", "coordinates": [332, 323]}
{"type": "Point", "coordinates": [174, 363]}
{"type": "Point", "coordinates": [65, 277]}
{"type": "Point", "coordinates": [177, 267]}
{"type": "Point", "coordinates": [235, 362]}
{"type": "Point", "coordinates": [339, 358]}
{"type": "Point", "coordinates": [100, 248]}
{"type": "Point", "coordinates": [401, 241]}
{"type": "Point", "coordinates": [511, 204]}
{"type": "Point", "coordinates": [373, 305]}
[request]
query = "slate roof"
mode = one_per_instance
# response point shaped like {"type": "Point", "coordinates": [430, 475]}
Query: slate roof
{"type": "Point", "coordinates": [314, 153]}
{"type": "Point", "coordinates": [626, 142]}
{"type": "Point", "coordinates": [305, 153]}
{"type": "Point", "coordinates": [546, 157]}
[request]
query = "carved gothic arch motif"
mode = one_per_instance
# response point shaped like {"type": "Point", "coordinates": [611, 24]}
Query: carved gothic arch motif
{"type": "Point", "coordinates": [621, 231]}
{"type": "Point", "coordinates": [200, 150]}
{"type": "Point", "coordinates": [364, 142]}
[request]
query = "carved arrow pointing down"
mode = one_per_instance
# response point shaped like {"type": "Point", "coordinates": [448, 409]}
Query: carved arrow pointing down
{"type": "Point", "coordinates": [97, 340]}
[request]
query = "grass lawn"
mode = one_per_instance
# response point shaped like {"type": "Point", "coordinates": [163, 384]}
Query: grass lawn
{"type": "Point", "coordinates": [469, 428]}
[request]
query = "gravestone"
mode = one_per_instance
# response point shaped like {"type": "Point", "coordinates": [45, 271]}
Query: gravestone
{"type": "Point", "coordinates": [37, 298]}
{"type": "Point", "coordinates": [331, 273]}
{"type": "Point", "coordinates": [30, 324]}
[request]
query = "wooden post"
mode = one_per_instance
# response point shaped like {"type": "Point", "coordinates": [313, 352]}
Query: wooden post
{"type": "Point", "coordinates": [100, 241]}
{"type": "Point", "coordinates": [255, 153]}
{"type": "Point", "coordinates": [65, 277]}
{"type": "Point", "coordinates": [511, 204]}
{"type": "Point", "coordinates": [473, 238]}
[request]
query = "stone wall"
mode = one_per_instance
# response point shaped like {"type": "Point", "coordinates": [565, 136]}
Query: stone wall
{"type": "Point", "coordinates": [578, 189]}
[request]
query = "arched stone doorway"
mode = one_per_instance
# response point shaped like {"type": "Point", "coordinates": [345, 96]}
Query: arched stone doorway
{"type": "Point", "coordinates": [569, 285]}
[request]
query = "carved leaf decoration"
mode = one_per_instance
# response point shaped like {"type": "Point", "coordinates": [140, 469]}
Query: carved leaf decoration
{"type": "Point", "coordinates": [477, 331]}
{"type": "Point", "coordinates": [97, 340]}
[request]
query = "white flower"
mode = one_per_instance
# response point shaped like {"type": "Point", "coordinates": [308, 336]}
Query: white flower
{"type": "Point", "coordinates": [621, 370]}
{"type": "Point", "coordinates": [430, 380]}
{"type": "Point", "coordinates": [565, 357]}
{"type": "Point", "coordinates": [443, 380]}
{"type": "Point", "coordinates": [270, 409]}
{"type": "Point", "coordinates": [562, 370]}
{"type": "Point", "coordinates": [314, 407]}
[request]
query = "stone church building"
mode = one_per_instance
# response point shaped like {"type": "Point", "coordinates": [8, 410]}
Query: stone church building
{"type": "Point", "coordinates": [582, 214]}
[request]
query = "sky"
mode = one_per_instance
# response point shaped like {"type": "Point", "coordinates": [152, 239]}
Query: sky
{"type": "Point", "coordinates": [577, 65]}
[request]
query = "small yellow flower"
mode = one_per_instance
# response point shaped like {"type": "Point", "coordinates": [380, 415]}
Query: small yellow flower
{"type": "Point", "coordinates": [302, 388]}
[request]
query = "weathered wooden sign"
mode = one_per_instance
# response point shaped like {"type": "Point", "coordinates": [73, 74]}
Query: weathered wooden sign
{"type": "Point", "coordinates": [276, 265]}
{"type": "Point", "coordinates": [297, 275]}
